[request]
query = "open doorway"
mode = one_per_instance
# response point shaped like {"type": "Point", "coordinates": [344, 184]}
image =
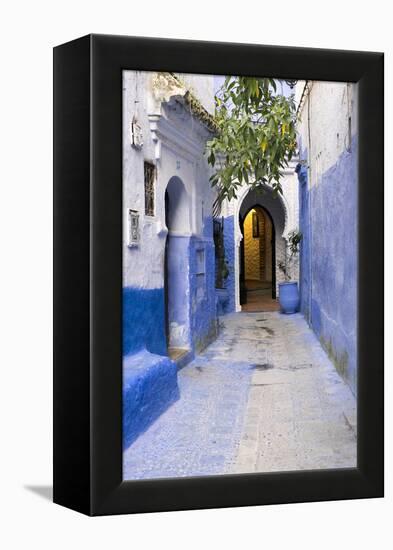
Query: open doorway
{"type": "Point", "coordinates": [176, 270]}
{"type": "Point", "coordinates": [257, 270]}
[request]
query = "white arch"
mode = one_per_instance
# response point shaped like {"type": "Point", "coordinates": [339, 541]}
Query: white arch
{"type": "Point", "coordinates": [239, 236]}
{"type": "Point", "coordinates": [245, 190]}
{"type": "Point", "coordinates": [178, 207]}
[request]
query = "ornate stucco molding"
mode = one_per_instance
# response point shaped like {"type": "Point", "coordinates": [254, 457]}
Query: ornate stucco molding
{"type": "Point", "coordinates": [169, 105]}
{"type": "Point", "coordinates": [166, 131]}
{"type": "Point", "coordinates": [164, 86]}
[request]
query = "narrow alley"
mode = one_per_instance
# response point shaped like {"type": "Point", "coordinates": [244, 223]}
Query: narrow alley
{"type": "Point", "coordinates": [263, 397]}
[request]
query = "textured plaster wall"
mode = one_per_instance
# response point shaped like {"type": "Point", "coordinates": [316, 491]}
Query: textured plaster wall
{"type": "Point", "coordinates": [230, 256]}
{"type": "Point", "coordinates": [178, 293]}
{"type": "Point", "coordinates": [305, 246]}
{"type": "Point", "coordinates": [144, 320]}
{"type": "Point", "coordinates": [149, 387]}
{"type": "Point", "coordinates": [174, 141]}
{"type": "Point", "coordinates": [323, 128]}
{"type": "Point", "coordinates": [328, 220]}
{"type": "Point", "coordinates": [138, 273]}
{"type": "Point", "coordinates": [191, 292]}
{"type": "Point", "coordinates": [181, 145]}
{"type": "Point", "coordinates": [203, 298]}
{"type": "Point", "coordinates": [202, 87]}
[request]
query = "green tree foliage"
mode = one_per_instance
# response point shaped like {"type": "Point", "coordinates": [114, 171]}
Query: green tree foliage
{"type": "Point", "coordinates": [256, 136]}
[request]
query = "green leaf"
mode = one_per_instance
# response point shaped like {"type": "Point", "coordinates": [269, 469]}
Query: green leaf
{"type": "Point", "coordinates": [256, 134]}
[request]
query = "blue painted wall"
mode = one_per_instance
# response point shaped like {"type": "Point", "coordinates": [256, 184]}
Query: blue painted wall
{"type": "Point", "coordinates": [229, 245]}
{"type": "Point", "coordinates": [329, 253]}
{"type": "Point", "coordinates": [202, 294]}
{"type": "Point", "coordinates": [149, 376]}
{"type": "Point", "coordinates": [191, 288]}
{"type": "Point", "coordinates": [149, 388]}
{"type": "Point", "coordinates": [304, 225]}
{"type": "Point", "coordinates": [178, 259]}
{"type": "Point", "coordinates": [144, 320]}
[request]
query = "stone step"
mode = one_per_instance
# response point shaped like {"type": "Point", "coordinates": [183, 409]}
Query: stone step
{"type": "Point", "coordinates": [180, 356]}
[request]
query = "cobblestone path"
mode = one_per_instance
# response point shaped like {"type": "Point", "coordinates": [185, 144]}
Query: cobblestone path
{"type": "Point", "coordinates": [263, 397]}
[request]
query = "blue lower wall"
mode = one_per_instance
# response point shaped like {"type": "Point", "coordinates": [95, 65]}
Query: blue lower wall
{"type": "Point", "coordinates": [304, 226]}
{"type": "Point", "coordinates": [149, 376]}
{"type": "Point", "coordinates": [328, 261]}
{"type": "Point", "coordinates": [191, 291]}
{"type": "Point", "coordinates": [229, 244]}
{"type": "Point", "coordinates": [178, 259]}
{"type": "Point", "coordinates": [192, 301]}
{"type": "Point", "coordinates": [149, 388]}
{"type": "Point", "coordinates": [203, 319]}
{"type": "Point", "coordinates": [144, 320]}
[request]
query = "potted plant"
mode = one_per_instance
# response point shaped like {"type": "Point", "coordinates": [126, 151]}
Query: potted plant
{"type": "Point", "coordinates": [288, 291]}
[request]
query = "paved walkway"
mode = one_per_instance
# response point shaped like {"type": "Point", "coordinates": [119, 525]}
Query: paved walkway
{"type": "Point", "coordinates": [263, 397]}
{"type": "Point", "coordinates": [259, 297]}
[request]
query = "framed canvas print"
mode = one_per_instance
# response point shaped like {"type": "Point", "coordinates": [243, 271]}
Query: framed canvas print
{"type": "Point", "coordinates": [218, 275]}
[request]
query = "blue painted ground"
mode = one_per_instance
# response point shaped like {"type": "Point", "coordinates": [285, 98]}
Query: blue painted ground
{"type": "Point", "coordinates": [199, 434]}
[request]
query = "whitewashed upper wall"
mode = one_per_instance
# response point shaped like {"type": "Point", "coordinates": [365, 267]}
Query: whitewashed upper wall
{"type": "Point", "coordinates": [146, 273]}
{"type": "Point", "coordinates": [323, 126]}
{"type": "Point", "coordinates": [202, 86]}
{"type": "Point", "coordinates": [182, 140]}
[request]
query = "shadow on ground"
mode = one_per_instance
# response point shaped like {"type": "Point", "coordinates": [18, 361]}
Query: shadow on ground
{"type": "Point", "coordinates": [44, 491]}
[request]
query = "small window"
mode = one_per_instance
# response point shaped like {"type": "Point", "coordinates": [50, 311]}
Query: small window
{"type": "Point", "coordinates": [150, 176]}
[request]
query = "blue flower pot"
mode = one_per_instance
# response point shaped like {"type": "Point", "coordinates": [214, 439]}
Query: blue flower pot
{"type": "Point", "coordinates": [289, 297]}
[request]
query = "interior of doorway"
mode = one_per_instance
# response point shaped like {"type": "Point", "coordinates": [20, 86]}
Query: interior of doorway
{"type": "Point", "coordinates": [175, 275]}
{"type": "Point", "coordinates": [257, 273]}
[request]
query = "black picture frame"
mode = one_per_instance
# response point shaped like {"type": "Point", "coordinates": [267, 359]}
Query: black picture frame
{"type": "Point", "coordinates": [88, 275]}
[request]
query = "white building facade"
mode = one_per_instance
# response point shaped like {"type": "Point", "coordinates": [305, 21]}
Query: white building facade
{"type": "Point", "coordinates": [169, 309]}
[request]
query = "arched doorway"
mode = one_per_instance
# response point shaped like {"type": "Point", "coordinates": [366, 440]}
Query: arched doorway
{"type": "Point", "coordinates": [176, 272]}
{"type": "Point", "coordinates": [258, 260]}
{"type": "Point", "coordinates": [262, 215]}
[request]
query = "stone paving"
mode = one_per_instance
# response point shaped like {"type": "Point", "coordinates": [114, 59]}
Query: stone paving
{"type": "Point", "coordinates": [300, 414]}
{"type": "Point", "coordinates": [263, 397]}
